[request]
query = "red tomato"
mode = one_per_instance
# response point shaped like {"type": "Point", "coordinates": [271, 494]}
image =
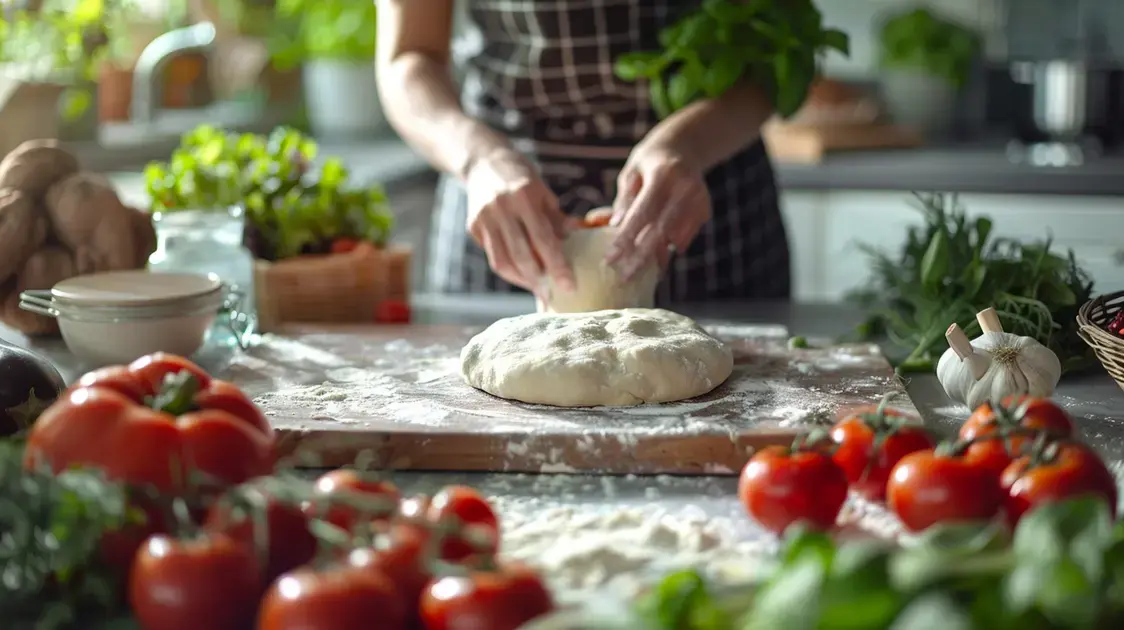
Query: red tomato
{"type": "Point", "coordinates": [289, 540]}
{"type": "Point", "coordinates": [345, 481]}
{"type": "Point", "coordinates": [994, 452]}
{"type": "Point", "coordinates": [152, 422]}
{"type": "Point", "coordinates": [929, 487]}
{"type": "Point", "coordinates": [392, 312]}
{"type": "Point", "coordinates": [500, 599]}
{"type": "Point", "coordinates": [1060, 471]}
{"type": "Point", "coordinates": [869, 444]}
{"type": "Point", "coordinates": [404, 561]}
{"type": "Point", "coordinates": [340, 597]}
{"type": "Point", "coordinates": [344, 245]}
{"type": "Point", "coordinates": [469, 509]}
{"type": "Point", "coordinates": [148, 424]}
{"type": "Point", "coordinates": [211, 582]}
{"type": "Point", "coordinates": [781, 486]}
{"type": "Point", "coordinates": [1016, 412]}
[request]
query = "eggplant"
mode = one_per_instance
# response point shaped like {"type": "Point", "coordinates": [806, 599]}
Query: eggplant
{"type": "Point", "coordinates": [28, 385]}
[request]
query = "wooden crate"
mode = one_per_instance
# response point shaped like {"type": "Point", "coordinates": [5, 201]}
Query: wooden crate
{"type": "Point", "coordinates": [330, 288]}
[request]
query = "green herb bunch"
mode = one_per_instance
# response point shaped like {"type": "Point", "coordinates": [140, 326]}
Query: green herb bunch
{"type": "Point", "coordinates": [919, 40]}
{"type": "Point", "coordinates": [1063, 569]}
{"type": "Point", "coordinates": [776, 43]}
{"type": "Point", "coordinates": [291, 208]}
{"type": "Point", "coordinates": [324, 29]}
{"type": "Point", "coordinates": [50, 530]}
{"type": "Point", "coordinates": [951, 268]}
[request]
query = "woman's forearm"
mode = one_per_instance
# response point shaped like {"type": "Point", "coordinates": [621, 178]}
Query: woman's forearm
{"type": "Point", "coordinates": [710, 131]}
{"type": "Point", "coordinates": [421, 104]}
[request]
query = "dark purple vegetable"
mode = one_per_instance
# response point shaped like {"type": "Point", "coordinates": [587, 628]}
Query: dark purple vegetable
{"type": "Point", "coordinates": [28, 385]}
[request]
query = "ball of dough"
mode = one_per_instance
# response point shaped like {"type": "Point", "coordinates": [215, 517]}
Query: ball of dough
{"type": "Point", "coordinates": [614, 357]}
{"type": "Point", "coordinates": [599, 287]}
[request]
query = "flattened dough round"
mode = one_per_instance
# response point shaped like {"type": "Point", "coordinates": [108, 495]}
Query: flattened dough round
{"type": "Point", "coordinates": [612, 357]}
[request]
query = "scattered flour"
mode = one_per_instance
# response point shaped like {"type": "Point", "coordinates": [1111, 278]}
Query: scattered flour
{"type": "Point", "coordinates": [584, 549]}
{"type": "Point", "coordinates": [620, 551]}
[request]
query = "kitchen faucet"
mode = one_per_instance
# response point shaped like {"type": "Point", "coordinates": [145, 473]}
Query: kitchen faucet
{"type": "Point", "coordinates": [150, 66]}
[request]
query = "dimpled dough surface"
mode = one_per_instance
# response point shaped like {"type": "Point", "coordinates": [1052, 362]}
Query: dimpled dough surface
{"type": "Point", "coordinates": [615, 357]}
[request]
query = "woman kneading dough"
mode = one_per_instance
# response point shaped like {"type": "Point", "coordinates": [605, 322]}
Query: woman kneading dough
{"type": "Point", "coordinates": [544, 132]}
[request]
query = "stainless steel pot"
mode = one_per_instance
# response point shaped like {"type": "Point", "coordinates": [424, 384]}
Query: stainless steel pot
{"type": "Point", "coordinates": [1068, 95]}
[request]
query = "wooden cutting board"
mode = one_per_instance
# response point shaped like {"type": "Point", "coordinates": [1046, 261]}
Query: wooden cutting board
{"type": "Point", "coordinates": [808, 144]}
{"type": "Point", "coordinates": [393, 396]}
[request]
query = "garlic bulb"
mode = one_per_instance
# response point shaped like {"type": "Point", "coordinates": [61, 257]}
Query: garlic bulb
{"type": "Point", "coordinates": [995, 365]}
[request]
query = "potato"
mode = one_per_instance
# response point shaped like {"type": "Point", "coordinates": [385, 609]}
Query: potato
{"type": "Point", "coordinates": [45, 268]}
{"type": "Point", "coordinates": [144, 234]}
{"type": "Point", "coordinates": [35, 166]}
{"type": "Point", "coordinates": [89, 218]}
{"type": "Point", "coordinates": [23, 228]}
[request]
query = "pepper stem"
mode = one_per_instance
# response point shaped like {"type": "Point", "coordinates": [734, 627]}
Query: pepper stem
{"type": "Point", "coordinates": [177, 394]}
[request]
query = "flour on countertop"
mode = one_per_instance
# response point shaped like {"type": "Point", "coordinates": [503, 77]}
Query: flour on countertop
{"type": "Point", "coordinates": [621, 551]}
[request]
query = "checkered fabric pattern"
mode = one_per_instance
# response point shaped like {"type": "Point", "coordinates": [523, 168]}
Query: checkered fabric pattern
{"type": "Point", "coordinates": [543, 74]}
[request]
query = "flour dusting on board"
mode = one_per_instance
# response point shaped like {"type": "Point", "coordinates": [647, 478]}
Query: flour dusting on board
{"type": "Point", "coordinates": [364, 380]}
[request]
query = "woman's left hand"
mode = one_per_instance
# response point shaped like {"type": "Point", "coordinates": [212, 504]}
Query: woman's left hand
{"type": "Point", "coordinates": [662, 202]}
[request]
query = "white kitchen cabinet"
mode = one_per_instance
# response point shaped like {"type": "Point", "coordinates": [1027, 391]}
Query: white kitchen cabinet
{"type": "Point", "coordinates": [825, 227]}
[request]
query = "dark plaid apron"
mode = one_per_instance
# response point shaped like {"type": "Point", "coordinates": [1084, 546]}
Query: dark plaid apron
{"type": "Point", "coordinates": [544, 76]}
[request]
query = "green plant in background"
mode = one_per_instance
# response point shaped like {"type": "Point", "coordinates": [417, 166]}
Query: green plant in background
{"type": "Point", "coordinates": [324, 29]}
{"type": "Point", "coordinates": [291, 209]}
{"type": "Point", "coordinates": [920, 41]}
{"type": "Point", "coordinates": [777, 43]}
{"type": "Point", "coordinates": [951, 268]}
{"type": "Point", "coordinates": [65, 41]}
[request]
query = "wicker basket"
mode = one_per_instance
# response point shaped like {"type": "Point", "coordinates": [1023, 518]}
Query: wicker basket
{"type": "Point", "coordinates": [1092, 318]}
{"type": "Point", "coordinates": [333, 288]}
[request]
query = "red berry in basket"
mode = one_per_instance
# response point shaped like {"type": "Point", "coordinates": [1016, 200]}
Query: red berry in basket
{"type": "Point", "coordinates": [344, 245]}
{"type": "Point", "coordinates": [392, 312]}
{"type": "Point", "coordinates": [1116, 326]}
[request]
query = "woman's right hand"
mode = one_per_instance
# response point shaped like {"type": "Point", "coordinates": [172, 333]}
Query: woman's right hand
{"type": "Point", "coordinates": [516, 219]}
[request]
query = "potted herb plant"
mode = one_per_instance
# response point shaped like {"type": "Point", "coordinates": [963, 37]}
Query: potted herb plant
{"type": "Point", "coordinates": [778, 43]}
{"type": "Point", "coordinates": [320, 246]}
{"type": "Point", "coordinates": [334, 40]}
{"type": "Point", "coordinates": [47, 53]}
{"type": "Point", "coordinates": [926, 60]}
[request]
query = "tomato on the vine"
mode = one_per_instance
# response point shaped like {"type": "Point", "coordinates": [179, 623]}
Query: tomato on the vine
{"type": "Point", "coordinates": [210, 582]}
{"type": "Point", "coordinates": [404, 560]}
{"type": "Point", "coordinates": [995, 451]}
{"type": "Point", "coordinates": [289, 540]}
{"type": "Point", "coordinates": [350, 481]}
{"type": "Point", "coordinates": [495, 598]}
{"type": "Point", "coordinates": [781, 486]}
{"type": "Point", "coordinates": [1054, 472]}
{"type": "Point", "coordinates": [1018, 412]}
{"type": "Point", "coordinates": [941, 486]}
{"type": "Point", "coordinates": [337, 597]}
{"type": "Point", "coordinates": [393, 312]}
{"type": "Point", "coordinates": [870, 443]}
{"type": "Point", "coordinates": [465, 508]}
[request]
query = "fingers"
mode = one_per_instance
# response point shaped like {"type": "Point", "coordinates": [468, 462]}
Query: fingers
{"type": "Point", "coordinates": [627, 189]}
{"type": "Point", "coordinates": [521, 233]}
{"type": "Point", "coordinates": [649, 208]}
{"type": "Point", "coordinates": [543, 229]}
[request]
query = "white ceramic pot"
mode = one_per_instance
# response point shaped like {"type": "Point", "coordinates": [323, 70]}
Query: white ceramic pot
{"type": "Point", "coordinates": [115, 317]}
{"type": "Point", "coordinates": [923, 101]}
{"type": "Point", "coordinates": [342, 99]}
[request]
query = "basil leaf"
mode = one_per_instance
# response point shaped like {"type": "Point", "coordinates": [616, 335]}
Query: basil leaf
{"type": "Point", "coordinates": [722, 75]}
{"type": "Point", "coordinates": [680, 91]}
{"type": "Point", "coordinates": [791, 600]}
{"type": "Point", "coordinates": [633, 66]}
{"type": "Point", "coordinates": [935, 610]}
{"type": "Point", "coordinates": [837, 40]}
{"type": "Point", "coordinates": [657, 91]}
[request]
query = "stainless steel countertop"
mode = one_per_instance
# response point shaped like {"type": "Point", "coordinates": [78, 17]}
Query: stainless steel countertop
{"type": "Point", "coordinates": [1096, 402]}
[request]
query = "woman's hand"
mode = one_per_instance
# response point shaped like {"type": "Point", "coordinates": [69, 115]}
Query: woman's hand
{"type": "Point", "coordinates": [515, 217]}
{"type": "Point", "coordinates": [662, 202]}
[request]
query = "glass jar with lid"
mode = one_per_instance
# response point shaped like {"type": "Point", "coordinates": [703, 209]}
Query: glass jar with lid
{"type": "Point", "coordinates": [208, 241]}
